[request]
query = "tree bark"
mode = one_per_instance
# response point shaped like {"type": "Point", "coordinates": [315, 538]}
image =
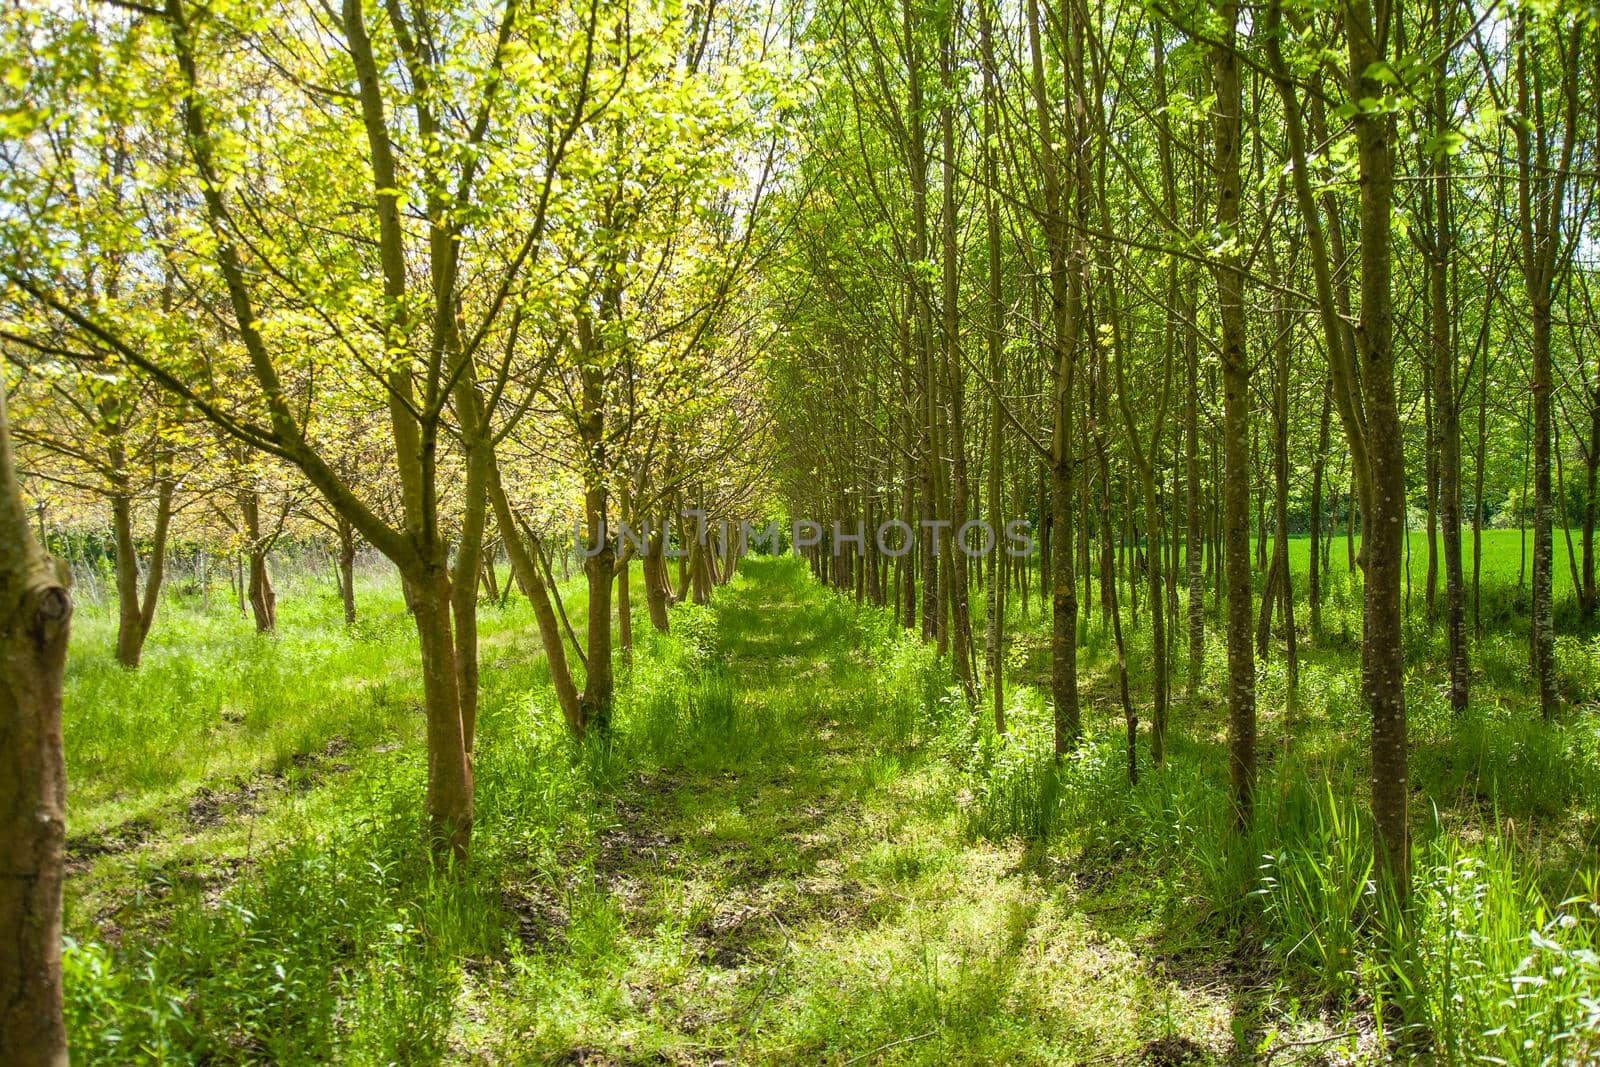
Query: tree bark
{"type": "Point", "coordinates": [1065, 308]}
{"type": "Point", "coordinates": [136, 614]}
{"type": "Point", "coordinates": [347, 569]}
{"type": "Point", "coordinates": [1383, 658]}
{"type": "Point", "coordinates": [263, 599]}
{"type": "Point", "coordinates": [655, 578]}
{"type": "Point", "coordinates": [995, 336]}
{"type": "Point", "coordinates": [35, 617]}
{"type": "Point", "coordinates": [1447, 422]}
{"type": "Point", "coordinates": [1315, 563]}
{"type": "Point", "coordinates": [1236, 428]}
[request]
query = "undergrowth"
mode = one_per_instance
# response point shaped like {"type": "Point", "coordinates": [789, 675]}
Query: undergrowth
{"type": "Point", "coordinates": [1494, 957]}
{"type": "Point", "coordinates": [333, 938]}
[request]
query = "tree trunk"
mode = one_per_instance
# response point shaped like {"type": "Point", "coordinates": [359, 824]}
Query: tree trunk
{"type": "Point", "coordinates": [655, 578]}
{"type": "Point", "coordinates": [1541, 197]}
{"type": "Point", "coordinates": [1130, 717]}
{"type": "Point", "coordinates": [1542, 612]}
{"type": "Point", "coordinates": [526, 572]}
{"type": "Point", "coordinates": [35, 616]}
{"type": "Point", "coordinates": [995, 336]}
{"type": "Point", "coordinates": [1066, 300]}
{"type": "Point", "coordinates": [955, 441]}
{"type": "Point", "coordinates": [136, 614]}
{"type": "Point", "coordinates": [1236, 429]}
{"type": "Point", "coordinates": [1280, 479]}
{"type": "Point", "coordinates": [469, 553]}
{"type": "Point", "coordinates": [1315, 556]}
{"type": "Point", "coordinates": [1383, 658]}
{"type": "Point", "coordinates": [263, 600]}
{"type": "Point", "coordinates": [1591, 482]}
{"type": "Point", "coordinates": [449, 794]}
{"type": "Point", "coordinates": [1447, 422]}
{"type": "Point", "coordinates": [1194, 543]}
{"type": "Point", "coordinates": [347, 570]}
{"type": "Point", "coordinates": [599, 565]}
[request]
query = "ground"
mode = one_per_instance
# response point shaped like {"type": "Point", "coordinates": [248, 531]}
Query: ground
{"type": "Point", "coordinates": [800, 847]}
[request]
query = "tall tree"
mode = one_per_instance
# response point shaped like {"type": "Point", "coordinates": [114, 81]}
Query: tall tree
{"type": "Point", "coordinates": [1228, 126]}
{"type": "Point", "coordinates": [35, 613]}
{"type": "Point", "coordinates": [1547, 132]}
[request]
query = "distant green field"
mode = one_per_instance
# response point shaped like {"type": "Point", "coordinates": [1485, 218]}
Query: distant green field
{"type": "Point", "coordinates": [1502, 556]}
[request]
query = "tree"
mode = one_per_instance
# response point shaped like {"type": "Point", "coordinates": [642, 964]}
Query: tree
{"type": "Point", "coordinates": [399, 342]}
{"type": "Point", "coordinates": [35, 616]}
{"type": "Point", "coordinates": [1545, 146]}
{"type": "Point", "coordinates": [1235, 421]}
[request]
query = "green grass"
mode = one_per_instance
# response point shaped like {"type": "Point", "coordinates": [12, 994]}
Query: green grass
{"type": "Point", "coordinates": [1505, 558]}
{"type": "Point", "coordinates": [802, 846]}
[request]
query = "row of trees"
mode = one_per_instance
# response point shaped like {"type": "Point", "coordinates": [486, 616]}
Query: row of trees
{"type": "Point", "coordinates": [437, 279]}
{"type": "Point", "coordinates": [417, 275]}
{"type": "Point", "coordinates": [1163, 277]}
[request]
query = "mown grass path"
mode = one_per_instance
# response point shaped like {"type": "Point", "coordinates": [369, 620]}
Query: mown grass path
{"type": "Point", "coordinates": [804, 891]}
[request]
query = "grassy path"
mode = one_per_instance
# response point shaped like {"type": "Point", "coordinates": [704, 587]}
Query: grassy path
{"type": "Point", "coordinates": [773, 863]}
{"type": "Point", "coordinates": [806, 893]}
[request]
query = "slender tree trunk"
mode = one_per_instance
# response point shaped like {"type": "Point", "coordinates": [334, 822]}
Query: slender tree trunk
{"type": "Point", "coordinates": [1280, 517]}
{"type": "Point", "coordinates": [655, 577]}
{"type": "Point", "coordinates": [1194, 548]}
{"type": "Point", "coordinates": [1430, 483]}
{"type": "Point", "coordinates": [599, 565]}
{"type": "Point", "coordinates": [1065, 304]}
{"type": "Point", "coordinates": [525, 571]}
{"type": "Point", "coordinates": [1383, 649]}
{"type": "Point", "coordinates": [130, 634]}
{"type": "Point", "coordinates": [1477, 494]}
{"type": "Point", "coordinates": [1591, 483]}
{"type": "Point", "coordinates": [1542, 613]}
{"type": "Point", "coordinates": [263, 600]}
{"type": "Point", "coordinates": [1350, 528]}
{"type": "Point", "coordinates": [995, 336]}
{"type": "Point", "coordinates": [1541, 196]}
{"type": "Point", "coordinates": [1447, 423]}
{"type": "Point", "coordinates": [347, 570]}
{"type": "Point", "coordinates": [1315, 563]}
{"type": "Point", "coordinates": [1113, 610]}
{"type": "Point", "coordinates": [1236, 427]}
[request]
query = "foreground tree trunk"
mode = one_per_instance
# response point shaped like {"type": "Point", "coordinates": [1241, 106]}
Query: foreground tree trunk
{"type": "Point", "coordinates": [449, 795]}
{"type": "Point", "coordinates": [1235, 431]}
{"type": "Point", "coordinates": [1066, 299]}
{"type": "Point", "coordinates": [955, 440]}
{"type": "Point", "coordinates": [1383, 540]}
{"type": "Point", "coordinates": [35, 613]}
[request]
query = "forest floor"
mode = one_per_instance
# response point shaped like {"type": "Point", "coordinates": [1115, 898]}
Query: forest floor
{"type": "Point", "coordinates": [825, 902]}
{"type": "Point", "coordinates": [789, 884]}
{"type": "Point", "coordinates": [799, 847]}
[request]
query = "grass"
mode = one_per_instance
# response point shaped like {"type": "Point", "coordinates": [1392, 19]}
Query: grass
{"type": "Point", "coordinates": [802, 846]}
